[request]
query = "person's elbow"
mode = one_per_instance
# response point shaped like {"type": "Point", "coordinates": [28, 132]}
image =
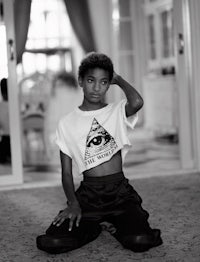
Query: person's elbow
{"type": "Point", "coordinates": [133, 108]}
{"type": "Point", "coordinates": [138, 104]}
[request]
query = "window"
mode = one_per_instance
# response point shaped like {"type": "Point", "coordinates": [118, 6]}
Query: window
{"type": "Point", "coordinates": [159, 21]}
{"type": "Point", "coordinates": [49, 44]}
{"type": "Point", "coordinates": [123, 29]}
{"type": "Point", "coordinates": [49, 50]}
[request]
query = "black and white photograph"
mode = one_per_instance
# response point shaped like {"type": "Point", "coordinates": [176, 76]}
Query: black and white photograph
{"type": "Point", "coordinates": [99, 130]}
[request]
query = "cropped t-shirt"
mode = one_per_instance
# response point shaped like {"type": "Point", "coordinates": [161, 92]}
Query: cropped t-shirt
{"type": "Point", "coordinates": [91, 138]}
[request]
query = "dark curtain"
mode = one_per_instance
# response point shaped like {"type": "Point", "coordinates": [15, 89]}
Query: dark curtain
{"type": "Point", "coordinates": [78, 11]}
{"type": "Point", "coordinates": [22, 18]}
{"type": "Point", "coordinates": [79, 15]}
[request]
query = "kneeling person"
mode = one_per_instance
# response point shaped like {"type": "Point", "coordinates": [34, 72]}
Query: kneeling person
{"type": "Point", "coordinates": [94, 136]}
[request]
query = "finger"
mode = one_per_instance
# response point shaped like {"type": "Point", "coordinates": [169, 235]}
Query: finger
{"type": "Point", "coordinates": [78, 220]}
{"type": "Point", "coordinates": [57, 218]}
{"type": "Point", "coordinates": [71, 222]}
{"type": "Point", "coordinates": [60, 221]}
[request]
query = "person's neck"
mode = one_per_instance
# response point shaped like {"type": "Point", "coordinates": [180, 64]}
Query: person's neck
{"type": "Point", "coordinates": [85, 106]}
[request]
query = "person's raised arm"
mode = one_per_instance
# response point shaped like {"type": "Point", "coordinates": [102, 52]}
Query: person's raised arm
{"type": "Point", "coordinates": [73, 210]}
{"type": "Point", "coordinates": [134, 99]}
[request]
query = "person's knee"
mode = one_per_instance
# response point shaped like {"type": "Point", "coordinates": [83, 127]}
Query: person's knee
{"type": "Point", "coordinates": [136, 243]}
{"type": "Point", "coordinates": [60, 243]}
{"type": "Point", "coordinates": [141, 243]}
{"type": "Point", "coordinates": [55, 245]}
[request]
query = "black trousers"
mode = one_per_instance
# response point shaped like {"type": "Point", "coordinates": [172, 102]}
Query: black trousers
{"type": "Point", "coordinates": [109, 198]}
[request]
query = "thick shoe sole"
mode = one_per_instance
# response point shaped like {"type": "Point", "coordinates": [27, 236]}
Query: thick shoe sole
{"type": "Point", "coordinates": [54, 245]}
{"type": "Point", "coordinates": [143, 242]}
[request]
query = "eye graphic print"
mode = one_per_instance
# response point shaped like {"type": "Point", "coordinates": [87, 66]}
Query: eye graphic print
{"type": "Point", "coordinates": [98, 140]}
{"type": "Point", "coordinates": [99, 144]}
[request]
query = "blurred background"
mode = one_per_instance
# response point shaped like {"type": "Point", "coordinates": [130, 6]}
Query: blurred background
{"type": "Point", "coordinates": [41, 45]}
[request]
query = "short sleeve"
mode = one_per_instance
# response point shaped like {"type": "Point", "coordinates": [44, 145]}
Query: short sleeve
{"type": "Point", "coordinates": [61, 140]}
{"type": "Point", "coordinates": [131, 120]}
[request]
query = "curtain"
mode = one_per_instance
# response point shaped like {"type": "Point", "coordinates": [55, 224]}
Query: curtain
{"type": "Point", "coordinates": [22, 10]}
{"type": "Point", "coordinates": [100, 11]}
{"type": "Point", "coordinates": [79, 15]}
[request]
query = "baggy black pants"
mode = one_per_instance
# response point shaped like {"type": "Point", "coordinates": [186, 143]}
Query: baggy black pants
{"type": "Point", "coordinates": [109, 198]}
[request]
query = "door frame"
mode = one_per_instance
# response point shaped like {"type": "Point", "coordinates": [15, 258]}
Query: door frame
{"type": "Point", "coordinates": [183, 82]}
{"type": "Point", "coordinates": [16, 177]}
{"type": "Point", "coordinates": [188, 79]}
{"type": "Point", "coordinates": [194, 7]}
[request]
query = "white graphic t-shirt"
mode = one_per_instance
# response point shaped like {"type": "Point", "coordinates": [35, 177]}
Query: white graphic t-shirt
{"type": "Point", "coordinates": [91, 138]}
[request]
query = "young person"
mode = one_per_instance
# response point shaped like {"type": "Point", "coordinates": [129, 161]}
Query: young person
{"type": "Point", "coordinates": [94, 136]}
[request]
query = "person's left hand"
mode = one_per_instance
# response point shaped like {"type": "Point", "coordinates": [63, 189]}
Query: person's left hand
{"type": "Point", "coordinates": [72, 212]}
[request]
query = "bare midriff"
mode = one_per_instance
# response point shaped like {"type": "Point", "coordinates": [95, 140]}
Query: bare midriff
{"type": "Point", "coordinates": [114, 165]}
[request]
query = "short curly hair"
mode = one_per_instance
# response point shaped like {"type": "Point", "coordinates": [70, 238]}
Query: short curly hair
{"type": "Point", "coordinates": [96, 60]}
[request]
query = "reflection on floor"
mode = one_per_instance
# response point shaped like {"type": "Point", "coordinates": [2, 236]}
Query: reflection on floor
{"type": "Point", "coordinates": [152, 154]}
{"type": "Point", "coordinates": [146, 156]}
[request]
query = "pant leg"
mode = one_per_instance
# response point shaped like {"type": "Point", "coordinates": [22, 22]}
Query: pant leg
{"type": "Point", "coordinates": [59, 239]}
{"type": "Point", "coordinates": [132, 227]}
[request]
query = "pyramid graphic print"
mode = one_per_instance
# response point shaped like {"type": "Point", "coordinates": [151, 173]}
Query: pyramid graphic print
{"type": "Point", "coordinates": [100, 145]}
